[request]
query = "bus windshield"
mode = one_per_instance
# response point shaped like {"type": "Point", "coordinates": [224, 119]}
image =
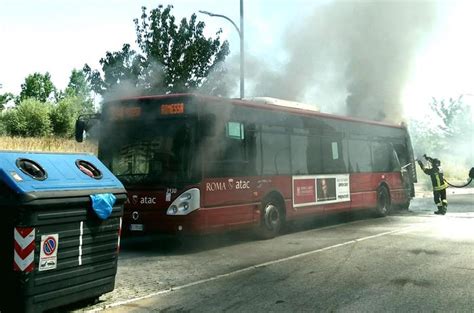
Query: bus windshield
{"type": "Point", "coordinates": [157, 153]}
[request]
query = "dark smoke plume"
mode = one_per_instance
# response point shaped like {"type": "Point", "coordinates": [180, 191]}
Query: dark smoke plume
{"type": "Point", "coordinates": [354, 55]}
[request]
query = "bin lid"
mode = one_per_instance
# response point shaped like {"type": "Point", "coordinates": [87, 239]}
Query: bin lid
{"type": "Point", "coordinates": [36, 172]}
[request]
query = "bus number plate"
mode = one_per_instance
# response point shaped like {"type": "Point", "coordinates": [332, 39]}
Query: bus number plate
{"type": "Point", "coordinates": [136, 227]}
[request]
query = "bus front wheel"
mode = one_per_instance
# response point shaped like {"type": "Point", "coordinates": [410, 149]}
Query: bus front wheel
{"type": "Point", "coordinates": [272, 219]}
{"type": "Point", "coordinates": [383, 202]}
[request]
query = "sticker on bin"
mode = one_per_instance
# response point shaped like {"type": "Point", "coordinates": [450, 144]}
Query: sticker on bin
{"type": "Point", "coordinates": [16, 177]}
{"type": "Point", "coordinates": [49, 252]}
{"type": "Point", "coordinates": [24, 249]}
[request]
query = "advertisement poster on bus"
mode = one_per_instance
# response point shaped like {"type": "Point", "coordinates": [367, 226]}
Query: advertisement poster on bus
{"type": "Point", "coordinates": [320, 189]}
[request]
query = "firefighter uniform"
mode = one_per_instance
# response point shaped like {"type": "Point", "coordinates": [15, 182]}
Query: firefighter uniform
{"type": "Point", "coordinates": [439, 185]}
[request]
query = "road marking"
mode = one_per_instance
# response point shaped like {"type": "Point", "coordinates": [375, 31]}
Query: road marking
{"type": "Point", "coordinates": [243, 270]}
{"type": "Point", "coordinates": [319, 229]}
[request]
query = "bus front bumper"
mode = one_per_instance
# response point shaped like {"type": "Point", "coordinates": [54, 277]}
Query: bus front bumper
{"type": "Point", "coordinates": [148, 222]}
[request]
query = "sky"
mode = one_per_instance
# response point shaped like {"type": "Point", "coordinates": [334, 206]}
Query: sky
{"type": "Point", "coordinates": [57, 36]}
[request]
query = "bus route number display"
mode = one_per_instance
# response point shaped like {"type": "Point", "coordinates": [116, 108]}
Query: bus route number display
{"type": "Point", "coordinates": [170, 109]}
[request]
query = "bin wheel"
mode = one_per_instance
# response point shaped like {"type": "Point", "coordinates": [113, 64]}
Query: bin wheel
{"type": "Point", "coordinates": [90, 301]}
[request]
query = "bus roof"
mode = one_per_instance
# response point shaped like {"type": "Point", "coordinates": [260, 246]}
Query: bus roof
{"type": "Point", "coordinates": [266, 105]}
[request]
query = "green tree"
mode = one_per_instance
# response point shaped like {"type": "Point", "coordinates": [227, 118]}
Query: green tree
{"type": "Point", "coordinates": [37, 86]}
{"type": "Point", "coordinates": [172, 58]}
{"type": "Point", "coordinates": [80, 90]}
{"type": "Point", "coordinates": [4, 99]}
{"type": "Point", "coordinates": [30, 118]}
{"type": "Point", "coordinates": [184, 56]}
{"type": "Point", "coordinates": [3, 128]}
{"type": "Point", "coordinates": [78, 85]}
{"type": "Point", "coordinates": [119, 68]}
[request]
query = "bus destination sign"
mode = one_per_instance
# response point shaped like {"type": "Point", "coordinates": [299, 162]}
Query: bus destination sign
{"type": "Point", "coordinates": [173, 108]}
{"type": "Point", "coordinates": [121, 113]}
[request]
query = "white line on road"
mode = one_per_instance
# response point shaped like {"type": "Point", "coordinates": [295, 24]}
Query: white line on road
{"type": "Point", "coordinates": [202, 281]}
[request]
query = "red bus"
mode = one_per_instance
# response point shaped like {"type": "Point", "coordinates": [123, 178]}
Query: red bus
{"type": "Point", "coordinates": [198, 164]}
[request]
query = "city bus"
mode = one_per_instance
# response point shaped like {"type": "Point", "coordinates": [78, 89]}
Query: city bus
{"type": "Point", "coordinates": [198, 164]}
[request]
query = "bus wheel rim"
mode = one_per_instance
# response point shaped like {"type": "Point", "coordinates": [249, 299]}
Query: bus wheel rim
{"type": "Point", "coordinates": [272, 217]}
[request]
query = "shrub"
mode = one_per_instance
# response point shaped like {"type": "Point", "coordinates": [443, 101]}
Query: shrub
{"type": "Point", "coordinates": [63, 116]}
{"type": "Point", "coordinates": [3, 129]}
{"type": "Point", "coordinates": [29, 119]}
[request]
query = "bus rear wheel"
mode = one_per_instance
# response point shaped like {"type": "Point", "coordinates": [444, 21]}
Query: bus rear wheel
{"type": "Point", "coordinates": [383, 202]}
{"type": "Point", "coordinates": [272, 219]}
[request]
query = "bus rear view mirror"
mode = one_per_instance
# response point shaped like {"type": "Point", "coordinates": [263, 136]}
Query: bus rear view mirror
{"type": "Point", "coordinates": [87, 124]}
{"type": "Point", "coordinates": [208, 125]}
{"type": "Point", "coordinates": [80, 130]}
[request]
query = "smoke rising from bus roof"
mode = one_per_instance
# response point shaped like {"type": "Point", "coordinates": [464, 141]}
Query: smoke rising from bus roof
{"type": "Point", "coordinates": [353, 55]}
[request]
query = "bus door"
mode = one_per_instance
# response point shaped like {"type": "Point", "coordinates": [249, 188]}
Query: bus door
{"type": "Point", "coordinates": [400, 156]}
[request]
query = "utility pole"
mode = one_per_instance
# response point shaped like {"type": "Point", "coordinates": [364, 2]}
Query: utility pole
{"type": "Point", "coordinates": [241, 36]}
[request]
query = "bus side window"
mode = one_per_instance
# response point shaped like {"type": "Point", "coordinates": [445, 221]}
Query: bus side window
{"type": "Point", "coordinates": [235, 130]}
{"type": "Point", "coordinates": [383, 157]}
{"type": "Point", "coordinates": [276, 153]}
{"type": "Point", "coordinates": [333, 157]}
{"type": "Point", "coordinates": [299, 154]}
{"type": "Point", "coordinates": [228, 153]}
{"type": "Point", "coordinates": [234, 142]}
{"type": "Point", "coordinates": [360, 156]}
{"type": "Point", "coordinates": [251, 142]}
{"type": "Point", "coordinates": [313, 155]}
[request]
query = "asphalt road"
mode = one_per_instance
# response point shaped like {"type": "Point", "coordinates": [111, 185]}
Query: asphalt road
{"type": "Point", "coordinates": [410, 261]}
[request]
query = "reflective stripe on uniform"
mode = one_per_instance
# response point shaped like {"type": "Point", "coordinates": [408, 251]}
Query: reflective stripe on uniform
{"type": "Point", "coordinates": [442, 187]}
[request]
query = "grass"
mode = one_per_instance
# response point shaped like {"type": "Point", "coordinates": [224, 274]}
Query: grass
{"type": "Point", "coordinates": [46, 144]}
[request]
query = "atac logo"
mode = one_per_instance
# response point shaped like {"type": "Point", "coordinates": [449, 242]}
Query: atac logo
{"type": "Point", "coordinates": [135, 199]}
{"type": "Point", "coordinates": [228, 185]}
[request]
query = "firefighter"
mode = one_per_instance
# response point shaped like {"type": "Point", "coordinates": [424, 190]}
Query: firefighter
{"type": "Point", "coordinates": [438, 182]}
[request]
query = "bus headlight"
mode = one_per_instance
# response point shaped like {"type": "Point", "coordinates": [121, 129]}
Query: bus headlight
{"type": "Point", "coordinates": [185, 196]}
{"type": "Point", "coordinates": [185, 203]}
{"type": "Point", "coordinates": [173, 209]}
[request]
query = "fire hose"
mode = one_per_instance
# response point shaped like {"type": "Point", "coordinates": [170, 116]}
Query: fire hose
{"type": "Point", "coordinates": [471, 177]}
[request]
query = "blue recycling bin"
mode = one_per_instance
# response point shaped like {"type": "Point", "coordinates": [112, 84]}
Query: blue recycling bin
{"type": "Point", "coordinates": [59, 230]}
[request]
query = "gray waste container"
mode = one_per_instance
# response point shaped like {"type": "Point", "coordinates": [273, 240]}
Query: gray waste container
{"type": "Point", "coordinates": [59, 230]}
